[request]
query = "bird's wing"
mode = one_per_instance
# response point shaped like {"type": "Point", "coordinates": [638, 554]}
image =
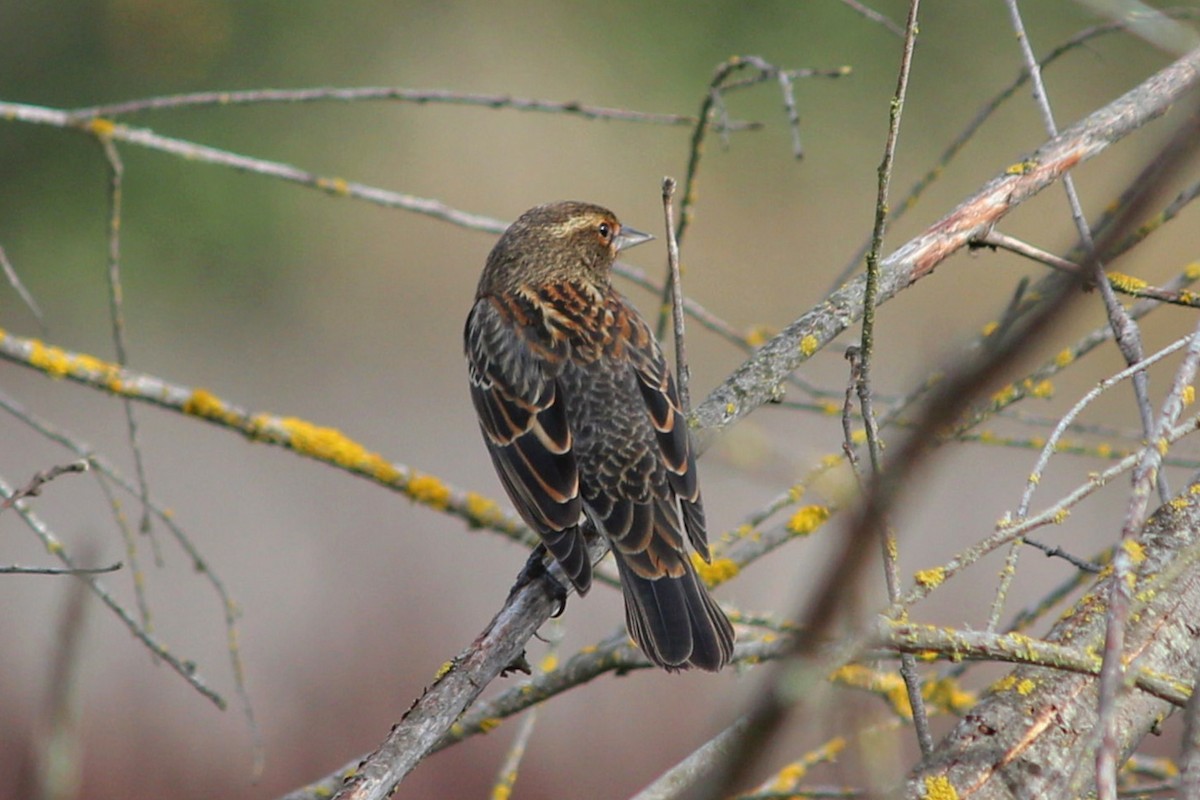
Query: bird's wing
{"type": "Point", "coordinates": [524, 422]}
{"type": "Point", "coordinates": [670, 428]}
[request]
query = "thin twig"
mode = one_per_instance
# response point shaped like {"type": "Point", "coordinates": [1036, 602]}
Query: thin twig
{"type": "Point", "coordinates": [106, 474]}
{"type": "Point", "coordinates": [713, 99]}
{"type": "Point", "coordinates": [888, 545]}
{"type": "Point", "coordinates": [418, 96]}
{"type": "Point", "coordinates": [794, 677]}
{"type": "Point", "coordinates": [683, 376]}
{"type": "Point", "coordinates": [947, 156]}
{"type": "Point", "coordinates": [1132, 287]}
{"type": "Point", "coordinates": [34, 487]}
{"type": "Point", "coordinates": [757, 380]}
{"type": "Point", "coordinates": [18, 570]}
{"type": "Point", "coordinates": [116, 174]}
{"type": "Point", "coordinates": [1124, 564]}
{"type": "Point", "coordinates": [14, 280]}
{"type": "Point", "coordinates": [55, 546]}
{"type": "Point", "coordinates": [874, 16]}
{"type": "Point", "coordinates": [1127, 335]}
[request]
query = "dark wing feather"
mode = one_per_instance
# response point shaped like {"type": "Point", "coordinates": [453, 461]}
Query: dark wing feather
{"type": "Point", "coordinates": [670, 429]}
{"type": "Point", "coordinates": [524, 423]}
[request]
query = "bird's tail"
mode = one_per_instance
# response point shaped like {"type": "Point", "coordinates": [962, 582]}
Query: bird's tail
{"type": "Point", "coordinates": [672, 617]}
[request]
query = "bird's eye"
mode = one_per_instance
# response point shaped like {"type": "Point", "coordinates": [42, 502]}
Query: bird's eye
{"type": "Point", "coordinates": [605, 231]}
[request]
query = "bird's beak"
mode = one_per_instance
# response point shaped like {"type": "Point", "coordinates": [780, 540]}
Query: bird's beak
{"type": "Point", "coordinates": [628, 237]}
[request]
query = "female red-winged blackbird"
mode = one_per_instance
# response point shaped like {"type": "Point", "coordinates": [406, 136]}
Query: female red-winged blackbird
{"type": "Point", "coordinates": [580, 415]}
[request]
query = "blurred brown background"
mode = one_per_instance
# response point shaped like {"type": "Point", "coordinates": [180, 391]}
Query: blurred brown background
{"type": "Point", "coordinates": [287, 300]}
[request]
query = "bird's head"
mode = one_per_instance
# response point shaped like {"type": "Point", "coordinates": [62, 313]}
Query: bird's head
{"type": "Point", "coordinates": [564, 241]}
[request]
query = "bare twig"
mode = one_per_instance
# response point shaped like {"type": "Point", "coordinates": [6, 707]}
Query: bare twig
{"type": "Point", "coordinates": [756, 380]}
{"type": "Point", "coordinates": [34, 487]}
{"type": "Point", "coordinates": [1126, 333]}
{"type": "Point", "coordinates": [874, 16]}
{"type": "Point", "coordinates": [888, 544]}
{"type": "Point", "coordinates": [18, 570]}
{"type": "Point", "coordinates": [55, 546]}
{"type": "Point", "coordinates": [394, 93]}
{"type": "Point", "coordinates": [713, 99]}
{"type": "Point", "coordinates": [14, 280]}
{"type": "Point", "coordinates": [681, 362]}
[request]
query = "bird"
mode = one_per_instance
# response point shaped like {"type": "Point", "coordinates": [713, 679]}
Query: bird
{"type": "Point", "coordinates": [580, 414]}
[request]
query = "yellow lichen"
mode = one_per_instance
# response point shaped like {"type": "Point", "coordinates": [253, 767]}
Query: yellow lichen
{"type": "Point", "coordinates": [101, 127]}
{"type": "Point", "coordinates": [719, 571]}
{"type": "Point", "coordinates": [1004, 396]}
{"type": "Point", "coordinates": [50, 360]}
{"type": "Point", "coordinates": [1004, 684]}
{"type": "Point", "coordinates": [809, 345]}
{"type": "Point", "coordinates": [1126, 283]}
{"type": "Point", "coordinates": [807, 520]}
{"type": "Point", "coordinates": [1189, 395]}
{"type": "Point", "coordinates": [1064, 358]}
{"type": "Point", "coordinates": [202, 403]}
{"type": "Point", "coordinates": [947, 694]}
{"type": "Point", "coordinates": [1135, 551]}
{"type": "Point", "coordinates": [1025, 686]}
{"type": "Point", "coordinates": [482, 510]}
{"type": "Point", "coordinates": [338, 186]}
{"type": "Point", "coordinates": [549, 663]}
{"type": "Point", "coordinates": [1020, 168]}
{"type": "Point", "coordinates": [887, 684]}
{"type": "Point", "coordinates": [789, 776]}
{"type": "Point", "coordinates": [488, 724]}
{"type": "Point", "coordinates": [990, 328]}
{"type": "Point", "coordinates": [930, 578]}
{"type": "Point", "coordinates": [1192, 271]}
{"type": "Point", "coordinates": [939, 787]}
{"type": "Point", "coordinates": [428, 490]}
{"type": "Point", "coordinates": [758, 334]}
{"type": "Point", "coordinates": [1042, 389]}
{"type": "Point", "coordinates": [443, 669]}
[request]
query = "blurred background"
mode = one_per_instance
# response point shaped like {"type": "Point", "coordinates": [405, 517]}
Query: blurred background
{"type": "Point", "coordinates": [287, 300]}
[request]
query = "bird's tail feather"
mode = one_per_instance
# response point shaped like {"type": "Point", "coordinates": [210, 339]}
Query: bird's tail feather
{"type": "Point", "coordinates": [674, 620]}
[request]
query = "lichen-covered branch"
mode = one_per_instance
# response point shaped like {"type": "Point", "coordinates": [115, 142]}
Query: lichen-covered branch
{"type": "Point", "coordinates": [1035, 728]}
{"type": "Point", "coordinates": [760, 378]}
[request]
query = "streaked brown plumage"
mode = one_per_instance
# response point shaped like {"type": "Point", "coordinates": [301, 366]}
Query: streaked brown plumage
{"type": "Point", "coordinates": [580, 415]}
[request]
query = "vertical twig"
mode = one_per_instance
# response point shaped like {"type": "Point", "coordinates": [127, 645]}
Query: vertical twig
{"type": "Point", "coordinates": [56, 763]}
{"type": "Point", "coordinates": [14, 280]}
{"type": "Point", "coordinates": [908, 665]}
{"type": "Point", "coordinates": [1125, 330]}
{"type": "Point", "coordinates": [683, 375]}
{"type": "Point", "coordinates": [1112, 669]}
{"type": "Point", "coordinates": [116, 172]}
{"type": "Point", "coordinates": [1128, 338]}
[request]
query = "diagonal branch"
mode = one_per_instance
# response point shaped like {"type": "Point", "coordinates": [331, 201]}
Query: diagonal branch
{"type": "Point", "coordinates": [757, 380]}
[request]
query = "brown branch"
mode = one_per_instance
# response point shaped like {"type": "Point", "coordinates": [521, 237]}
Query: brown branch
{"type": "Point", "coordinates": [757, 380]}
{"type": "Point", "coordinates": [1046, 717]}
